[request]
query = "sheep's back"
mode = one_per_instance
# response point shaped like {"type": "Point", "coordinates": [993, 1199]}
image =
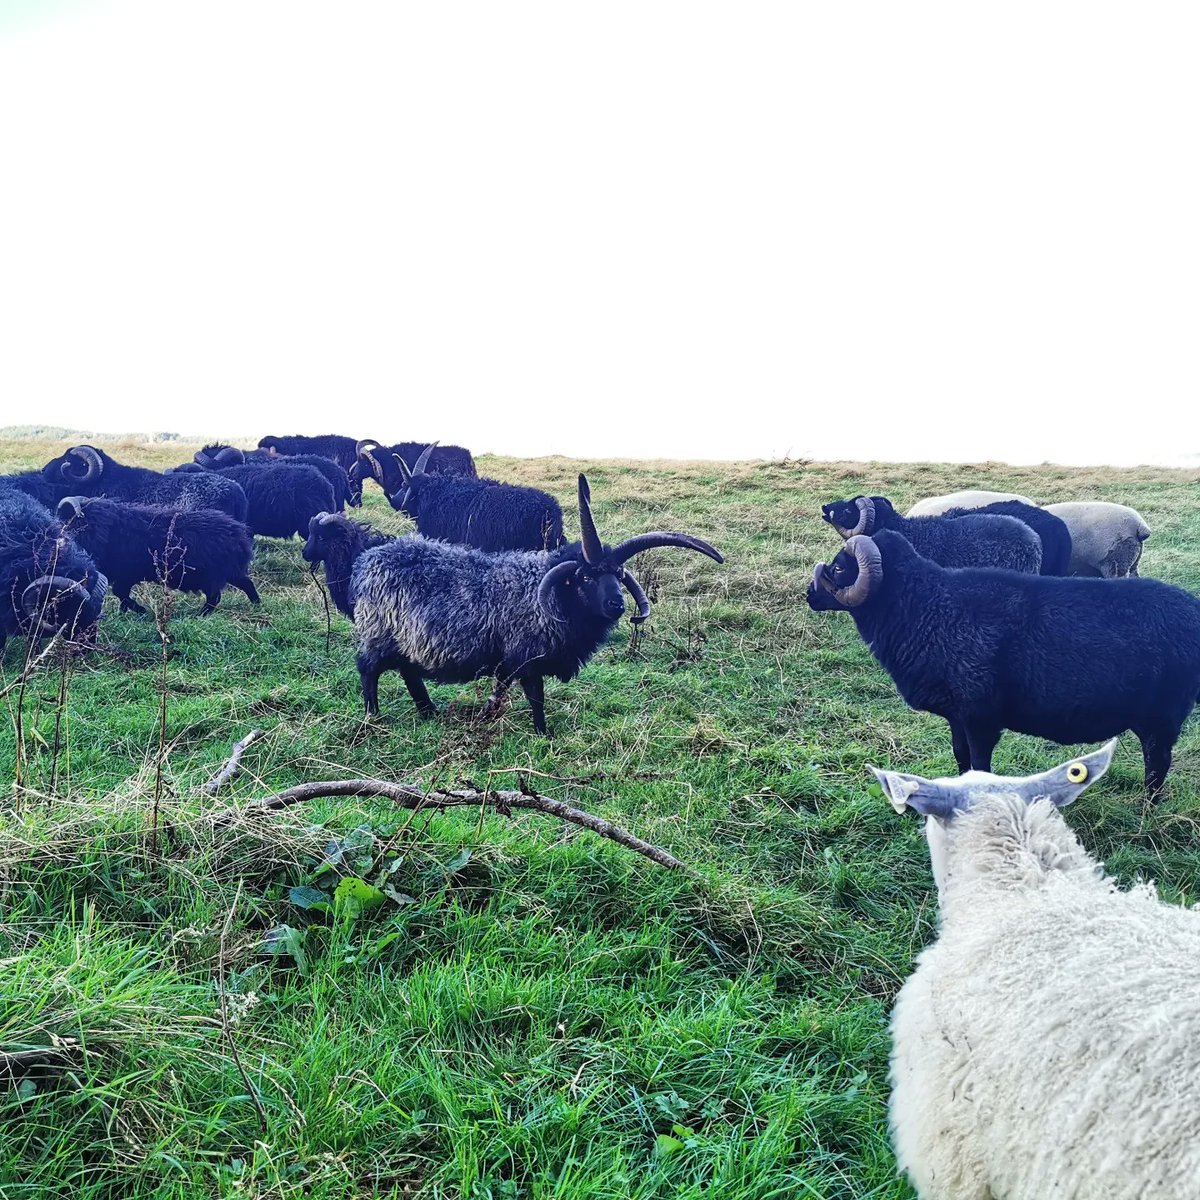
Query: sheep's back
{"type": "Point", "coordinates": [975, 540]}
{"type": "Point", "coordinates": [452, 610]}
{"type": "Point", "coordinates": [1056, 1031]}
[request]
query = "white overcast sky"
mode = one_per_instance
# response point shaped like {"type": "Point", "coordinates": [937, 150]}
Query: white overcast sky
{"type": "Point", "coordinates": [885, 230]}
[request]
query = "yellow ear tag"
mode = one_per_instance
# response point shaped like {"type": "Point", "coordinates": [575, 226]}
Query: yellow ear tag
{"type": "Point", "coordinates": [1077, 772]}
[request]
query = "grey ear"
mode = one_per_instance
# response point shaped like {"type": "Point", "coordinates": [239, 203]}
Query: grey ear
{"type": "Point", "coordinates": [1063, 784]}
{"type": "Point", "coordinates": [930, 797]}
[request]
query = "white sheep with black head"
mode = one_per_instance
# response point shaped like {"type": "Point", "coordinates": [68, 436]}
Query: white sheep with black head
{"type": "Point", "coordinates": [1048, 1043]}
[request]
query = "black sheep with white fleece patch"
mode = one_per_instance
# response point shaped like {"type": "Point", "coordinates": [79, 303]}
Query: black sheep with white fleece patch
{"type": "Point", "coordinates": [46, 580]}
{"type": "Point", "coordinates": [452, 613]}
{"type": "Point", "coordinates": [198, 550]}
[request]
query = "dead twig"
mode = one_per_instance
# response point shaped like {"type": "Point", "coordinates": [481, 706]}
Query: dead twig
{"type": "Point", "coordinates": [408, 796]}
{"type": "Point", "coordinates": [230, 769]}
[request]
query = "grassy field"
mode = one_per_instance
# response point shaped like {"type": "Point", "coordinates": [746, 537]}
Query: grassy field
{"type": "Point", "coordinates": [533, 1011]}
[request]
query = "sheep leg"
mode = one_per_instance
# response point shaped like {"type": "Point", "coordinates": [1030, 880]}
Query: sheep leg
{"type": "Point", "coordinates": [246, 586]}
{"type": "Point", "coordinates": [369, 671]}
{"type": "Point", "coordinates": [211, 600]}
{"type": "Point", "coordinates": [962, 748]}
{"type": "Point", "coordinates": [1156, 754]}
{"type": "Point", "coordinates": [982, 741]}
{"type": "Point", "coordinates": [534, 687]}
{"type": "Point", "coordinates": [418, 691]}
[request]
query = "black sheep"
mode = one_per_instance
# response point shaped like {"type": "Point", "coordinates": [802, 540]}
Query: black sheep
{"type": "Point", "coordinates": [966, 541]}
{"type": "Point", "coordinates": [483, 513]}
{"type": "Point", "coordinates": [197, 550]}
{"type": "Point", "coordinates": [46, 580]}
{"type": "Point", "coordinates": [1072, 660]}
{"type": "Point", "coordinates": [86, 471]}
{"type": "Point", "coordinates": [1051, 530]}
{"type": "Point", "coordinates": [452, 614]}
{"type": "Point", "coordinates": [342, 450]}
{"type": "Point", "coordinates": [218, 455]}
{"type": "Point", "coordinates": [337, 541]}
{"type": "Point", "coordinates": [280, 500]}
{"type": "Point", "coordinates": [383, 464]}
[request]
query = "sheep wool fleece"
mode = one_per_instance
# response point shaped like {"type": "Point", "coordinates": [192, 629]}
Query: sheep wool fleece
{"type": "Point", "coordinates": [1047, 1047]}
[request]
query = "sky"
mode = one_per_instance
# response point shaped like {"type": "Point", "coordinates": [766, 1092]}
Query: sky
{"type": "Point", "coordinates": [655, 229]}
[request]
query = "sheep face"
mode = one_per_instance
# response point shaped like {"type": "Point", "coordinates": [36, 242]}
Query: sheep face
{"type": "Point", "coordinates": [593, 591]}
{"type": "Point", "coordinates": [324, 531]}
{"type": "Point", "coordinates": [80, 464]}
{"type": "Point", "coordinates": [850, 580]}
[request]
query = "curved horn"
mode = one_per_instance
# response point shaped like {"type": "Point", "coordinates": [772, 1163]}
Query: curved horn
{"type": "Point", "coordinates": [47, 590]}
{"type": "Point", "coordinates": [202, 458]}
{"type": "Point", "coordinates": [326, 518]}
{"type": "Point", "coordinates": [94, 463]}
{"type": "Point", "coordinates": [870, 571]}
{"type": "Point", "coordinates": [639, 597]}
{"type": "Point", "coordinates": [648, 541]}
{"type": "Point", "coordinates": [421, 463]}
{"type": "Point", "coordinates": [230, 456]}
{"type": "Point", "coordinates": [550, 582]}
{"type": "Point", "coordinates": [363, 450]}
{"type": "Point", "coordinates": [866, 517]}
{"type": "Point", "coordinates": [593, 548]}
{"type": "Point", "coordinates": [402, 466]}
{"type": "Point", "coordinates": [73, 505]}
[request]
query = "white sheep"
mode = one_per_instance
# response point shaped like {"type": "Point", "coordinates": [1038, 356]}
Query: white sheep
{"type": "Point", "coordinates": [1106, 539]}
{"type": "Point", "coordinates": [936, 505]}
{"type": "Point", "coordinates": [1048, 1043]}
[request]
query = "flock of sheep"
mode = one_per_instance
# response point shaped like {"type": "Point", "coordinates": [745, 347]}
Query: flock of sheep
{"type": "Point", "coordinates": [1043, 1045]}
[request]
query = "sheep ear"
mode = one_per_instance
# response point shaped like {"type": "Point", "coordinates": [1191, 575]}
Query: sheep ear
{"type": "Point", "coordinates": [1063, 784]}
{"type": "Point", "coordinates": [929, 797]}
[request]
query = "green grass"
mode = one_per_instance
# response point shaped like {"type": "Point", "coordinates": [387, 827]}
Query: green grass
{"type": "Point", "coordinates": [550, 1016]}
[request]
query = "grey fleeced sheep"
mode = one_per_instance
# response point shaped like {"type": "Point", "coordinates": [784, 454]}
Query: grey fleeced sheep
{"type": "Point", "coordinates": [451, 613]}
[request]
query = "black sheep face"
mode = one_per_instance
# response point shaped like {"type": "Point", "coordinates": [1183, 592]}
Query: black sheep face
{"type": "Point", "coordinates": [594, 591]}
{"type": "Point", "coordinates": [408, 500]}
{"type": "Point", "coordinates": [839, 574]}
{"type": "Point", "coordinates": [843, 515]}
{"type": "Point", "coordinates": [322, 535]}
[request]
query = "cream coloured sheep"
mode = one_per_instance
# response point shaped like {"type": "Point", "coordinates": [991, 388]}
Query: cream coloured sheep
{"type": "Point", "coordinates": [935, 506]}
{"type": "Point", "coordinates": [1106, 539]}
{"type": "Point", "coordinates": [1046, 1044]}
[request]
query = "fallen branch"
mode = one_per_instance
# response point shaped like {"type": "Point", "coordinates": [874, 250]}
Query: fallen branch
{"type": "Point", "coordinates": [408, 796]}
{"type": "Point", "coordinates": [230, 769]}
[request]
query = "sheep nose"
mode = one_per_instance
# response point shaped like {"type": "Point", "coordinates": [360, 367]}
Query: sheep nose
{"type": "Point", "coordinates": [614, 607]}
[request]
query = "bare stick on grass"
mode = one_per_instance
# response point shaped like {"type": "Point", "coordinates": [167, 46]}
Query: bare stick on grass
{"type": "Point", "coordinates": [408, 796]}
{"type": "Point", "coordinates": [230, 769]}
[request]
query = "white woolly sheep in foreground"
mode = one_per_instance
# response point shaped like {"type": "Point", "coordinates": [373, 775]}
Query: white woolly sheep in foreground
{"type": "Point", "coordinates": [936, 506]}
{"type": "Point", "coordinates": [1048, 1043]}
{"type": "Point", "coordinates": [1106, 539]}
